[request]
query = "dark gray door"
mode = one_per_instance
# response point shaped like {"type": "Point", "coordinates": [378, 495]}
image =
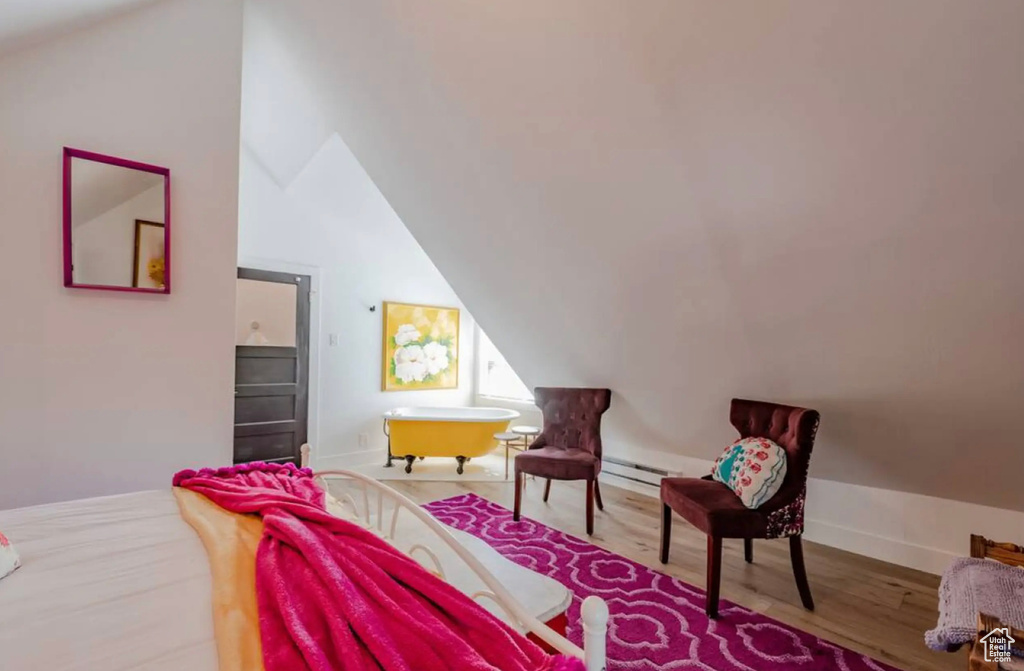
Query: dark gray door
{"type": "Point", "coordinates": [272, 374]}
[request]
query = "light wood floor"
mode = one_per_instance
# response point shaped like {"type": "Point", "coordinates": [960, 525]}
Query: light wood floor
{"type": "Point", "coordinates": [866, 605]}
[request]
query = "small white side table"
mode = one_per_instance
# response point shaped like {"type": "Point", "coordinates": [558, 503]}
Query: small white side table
{"type": "Point", "coordinates": [511, 441]}
{"type": "Point", "coordinates": [526, 433]}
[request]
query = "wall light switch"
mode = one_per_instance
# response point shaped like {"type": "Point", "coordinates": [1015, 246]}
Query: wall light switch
{"type": "Point", "coordinates": [332, 339]}
{"type": "Point", "coordinates": [364, 440]}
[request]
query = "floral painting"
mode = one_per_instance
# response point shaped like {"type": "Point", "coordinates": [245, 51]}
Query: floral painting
{"type": "Point", "coordinates": [421, 347]}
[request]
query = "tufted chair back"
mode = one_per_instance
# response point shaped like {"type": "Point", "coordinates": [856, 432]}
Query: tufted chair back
{"type": "Point", "coordinates": [572, 417]}
{"type": "Point", "coordinates": [714, 509]}
{"type": "Point", "coordinates": [793, 429]}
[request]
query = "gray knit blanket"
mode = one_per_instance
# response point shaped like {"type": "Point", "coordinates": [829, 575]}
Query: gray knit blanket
{"type": "Point", "coordinates": [971, 586]}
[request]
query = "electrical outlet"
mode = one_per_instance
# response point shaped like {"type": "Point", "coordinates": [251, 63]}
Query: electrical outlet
{"type": "Point", "coordinates": [364, 440]}
{"type": "Point", "coordinates": [332, 340]}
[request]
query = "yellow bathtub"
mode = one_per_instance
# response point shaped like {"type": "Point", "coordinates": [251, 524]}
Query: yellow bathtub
{"type": "Point", "coordinates": [462, 433]}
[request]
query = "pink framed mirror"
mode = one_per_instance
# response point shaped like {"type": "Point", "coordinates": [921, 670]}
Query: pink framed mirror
{"type": "Point", "coordinates": [117, 224]}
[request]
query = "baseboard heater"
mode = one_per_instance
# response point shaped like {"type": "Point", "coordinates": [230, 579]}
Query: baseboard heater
{"type": "Point", "coordinates": [628, 470]}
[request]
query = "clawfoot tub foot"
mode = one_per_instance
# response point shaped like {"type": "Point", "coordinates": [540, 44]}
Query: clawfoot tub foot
{"type": "Point", "coordinates": [462, 463]}
{"type": "Point", "coordinates": [408, 463]}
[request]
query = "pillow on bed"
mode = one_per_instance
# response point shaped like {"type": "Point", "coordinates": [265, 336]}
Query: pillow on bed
{"type": "Point", "coordinates": [754, 468]}
{"type": "Point", "coordinates": [8, 557]}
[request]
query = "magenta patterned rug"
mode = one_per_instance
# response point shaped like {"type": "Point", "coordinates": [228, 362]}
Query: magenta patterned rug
{"type": "Point", "coordinates": [657, 622]}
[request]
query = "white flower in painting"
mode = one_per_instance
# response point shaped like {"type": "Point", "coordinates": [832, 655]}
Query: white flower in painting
{"type": "Point", "coordinates": [407, 333]}
{"type": "Point", "coordinates": [410, 364]}
{"type": "Point", "coordinates": [436, 357]}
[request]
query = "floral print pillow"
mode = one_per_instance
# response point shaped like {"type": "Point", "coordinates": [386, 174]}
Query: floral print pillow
{"type": "Point", "coordinates": [754, 468]}
{"type": "Point", "coordinates": [8, 557]}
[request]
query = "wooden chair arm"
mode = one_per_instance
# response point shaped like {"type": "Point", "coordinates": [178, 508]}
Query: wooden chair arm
{"type": "Point", "coordinates": [1006, 553]}
{"type": "Point", "coordinates": [976, 662]}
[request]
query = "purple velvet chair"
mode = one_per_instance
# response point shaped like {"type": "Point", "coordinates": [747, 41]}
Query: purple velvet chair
{"type": "Point", "coordinates": [569, 445]}
{"type": "Point", "coordinates": [714, 509]}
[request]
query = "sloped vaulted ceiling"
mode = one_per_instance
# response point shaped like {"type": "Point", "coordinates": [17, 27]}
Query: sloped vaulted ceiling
{"type": "Point", "coordinates": [27, 22]}
{"type": "Point", "coordinates": [817, 202]}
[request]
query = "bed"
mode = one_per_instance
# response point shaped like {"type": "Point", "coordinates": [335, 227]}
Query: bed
{"type": "Point", "coordinates": [122, 582]}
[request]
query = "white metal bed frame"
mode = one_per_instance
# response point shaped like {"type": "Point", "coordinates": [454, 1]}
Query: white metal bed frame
{"type": "Point", "coordinates": [594, 611]}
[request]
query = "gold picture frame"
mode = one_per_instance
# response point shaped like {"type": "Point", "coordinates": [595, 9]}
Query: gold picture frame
{"type": "Point", "coordinates": [420, 347]}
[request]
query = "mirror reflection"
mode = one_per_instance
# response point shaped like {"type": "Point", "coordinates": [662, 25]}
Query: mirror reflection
{"type": "Point", "coordinates": [117, 228]}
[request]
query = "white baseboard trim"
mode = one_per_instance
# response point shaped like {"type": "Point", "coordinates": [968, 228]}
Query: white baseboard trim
{"type": "Point", "coordinates": [930, 560]}
{"type": "Point", "coordinates": [914, 530]}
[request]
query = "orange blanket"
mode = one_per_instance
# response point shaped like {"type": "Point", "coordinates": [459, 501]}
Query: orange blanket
{"type": "Point", "coordinates": [230, 540]}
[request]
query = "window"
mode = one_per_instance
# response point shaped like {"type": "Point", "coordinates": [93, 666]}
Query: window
{"type": "Point", "coordinates": [495, 377]}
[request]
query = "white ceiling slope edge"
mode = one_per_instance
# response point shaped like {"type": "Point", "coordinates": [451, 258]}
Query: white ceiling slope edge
{"type": "Point", "coordinates": [817, 202]}
{"type": "Point", "coordinates": [282, 122]}
{"type": "Point", "coordinates": [26, 22]}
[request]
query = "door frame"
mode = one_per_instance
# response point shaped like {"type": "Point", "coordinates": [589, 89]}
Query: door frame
{"type": "Point", "coordinates": [315, 274]}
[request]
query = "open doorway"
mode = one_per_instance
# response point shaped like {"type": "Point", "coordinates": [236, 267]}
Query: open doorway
{"type": "Point", "coordinates": [271, 365]}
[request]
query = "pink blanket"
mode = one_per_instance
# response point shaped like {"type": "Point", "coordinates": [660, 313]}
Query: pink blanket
{"type": "Point", "coordinates": [333, 596]}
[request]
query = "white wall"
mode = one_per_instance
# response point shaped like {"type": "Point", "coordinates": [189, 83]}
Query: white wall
{"type": "Point", "coordinates": [28, 22]}
{"type": "Point", "coordinates": [810, 201]}
{"type": "Point", "coordinates": [334, 220]}
{"type": "Point", "coordinates": [307, 206]}
{"type": "Point", "coordinates": [103, 392]}
{"type": "Point", "coordinates": [104, 247]}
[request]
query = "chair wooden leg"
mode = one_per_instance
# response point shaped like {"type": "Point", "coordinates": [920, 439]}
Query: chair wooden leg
{"type": "Point", "coordinates": [748, 550]}
{"type": "Point", "coordinates": [590, 507]}
{"type": "Point", "coordinates": [666, 531]}
{"type": "Point", "coordinates": [547, 490]}
{"type": "Point", "coordinates": [796, 553]}
{"type": "Point", "coordinates": [597, 495]}
{"type": "Point", "coordinates": [714, 576]}
{"type": "Point", "coordinates": [519, 496]}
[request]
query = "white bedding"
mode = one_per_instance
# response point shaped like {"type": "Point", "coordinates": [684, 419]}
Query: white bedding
{"type": "Point", "coordinates": [121, 582]}
{"type": "Point", "coordinates": [112, 583]}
